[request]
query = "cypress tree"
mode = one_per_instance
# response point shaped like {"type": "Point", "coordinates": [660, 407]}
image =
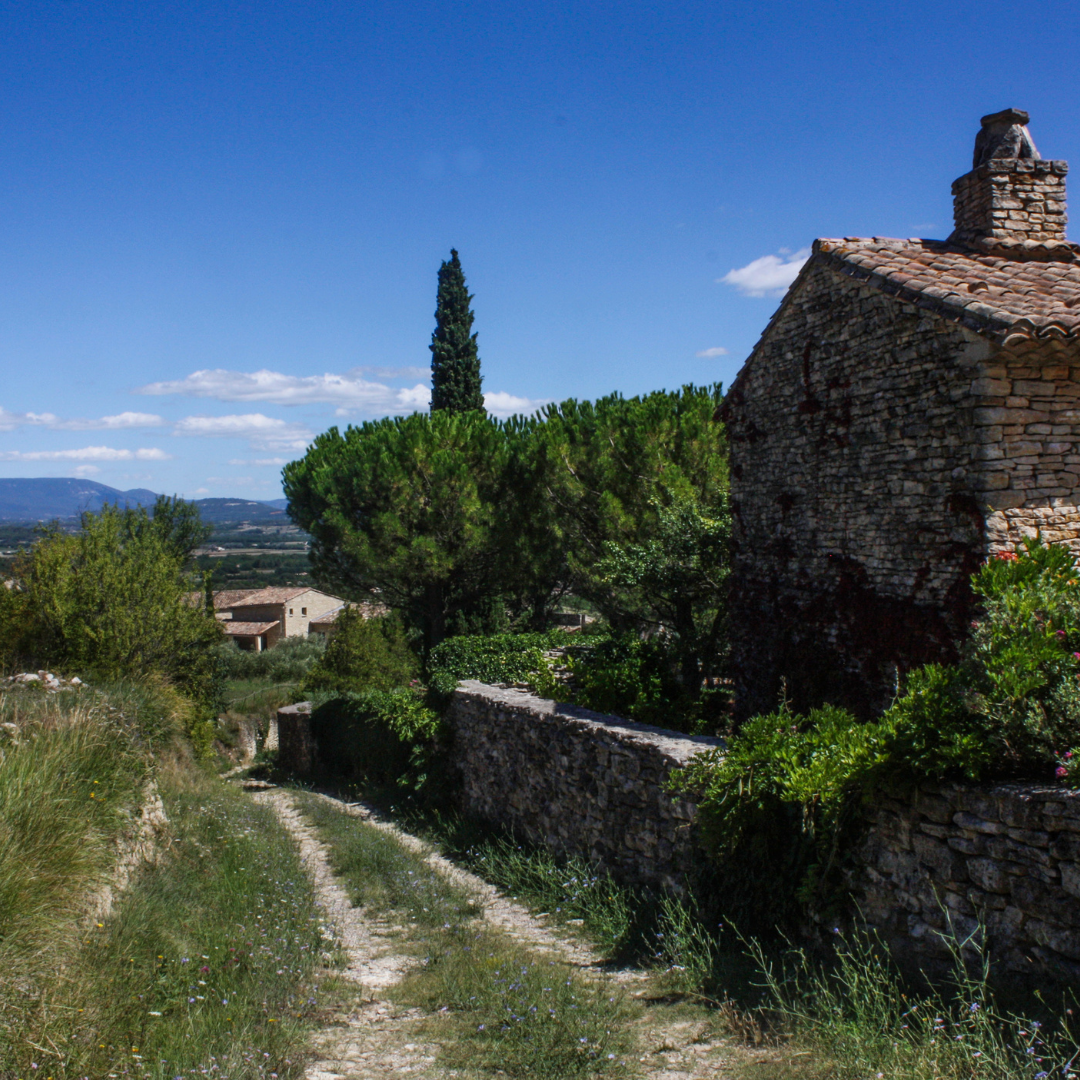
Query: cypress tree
{"type": "Point", "coordinates": [455, 364]}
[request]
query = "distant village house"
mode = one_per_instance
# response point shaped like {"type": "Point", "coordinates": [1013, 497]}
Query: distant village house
{"type": "Point", "coordinates": [258, 618]}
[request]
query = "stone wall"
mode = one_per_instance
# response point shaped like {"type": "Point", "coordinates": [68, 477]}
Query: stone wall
{"type": "Point", "coordinates": [594, 786]}
{"type": "Point", "coordinates": [1008, 856]}
{"type": "Point", "coordinates": [576, 781]}
{"type": "Point", "coordinates": [855, 528]}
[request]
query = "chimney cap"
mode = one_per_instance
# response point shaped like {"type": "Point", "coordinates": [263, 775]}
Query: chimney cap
{"type": "Point", "coordinates": [1006, 116]}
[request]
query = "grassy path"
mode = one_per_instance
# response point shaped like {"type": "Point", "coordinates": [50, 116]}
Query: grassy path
{"type": "Point", "coordinates": [425, 953]}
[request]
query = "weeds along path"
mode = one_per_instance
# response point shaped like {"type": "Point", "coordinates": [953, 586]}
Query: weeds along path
{"type": "Point", "coordinates": [372, 1038]}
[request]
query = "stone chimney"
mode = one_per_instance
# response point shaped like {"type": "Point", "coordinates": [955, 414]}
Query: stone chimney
{"type": "Point", "coordinates": [1011, 194]}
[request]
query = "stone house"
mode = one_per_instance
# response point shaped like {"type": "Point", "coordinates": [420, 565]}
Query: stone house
{"type": "Point", "coordinates": [912, 406]}
{"type": "Point", "coordinates": [259, 618]}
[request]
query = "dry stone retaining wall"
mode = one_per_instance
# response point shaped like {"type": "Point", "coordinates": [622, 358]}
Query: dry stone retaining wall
{"type": "Point", "coordinates": [576, 781]}
{"type": "Point", "coordinates": [1007, 857]}
{"type": "Point", "coordinates": [594, 786]}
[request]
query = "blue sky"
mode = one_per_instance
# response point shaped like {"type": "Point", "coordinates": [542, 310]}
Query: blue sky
{"type": "Point", "coordinates": [221, 223]}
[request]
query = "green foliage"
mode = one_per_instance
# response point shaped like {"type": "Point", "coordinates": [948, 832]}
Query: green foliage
{"type": "Point", "coordinates": [635, 490]}
{"type": "Point", "coordinates": [455, 364]}
{"type": "Point", "coordinates": [677, 578]}
{"type": "Point", "coordinates": [410, 507]}
{"type": "Point", "coordinates": [493, 658]}
{"type": "Point", "coordinates": [382, 737]}
{"type": "Point", "coordinates": [288, 661]}
{"type": "Point", "coordinates": [112, 601]}
{"type": "Point", "coordinates": [776, 806]}
{"type": "Point", "coordinates": [784, 792]}
{"type": "Point", "coordinates": [177, 524]}
{"type": "Point", "coordinates": [464, 524]}
{"type": "Point", "coordinates": [364, 654]}
{"type": "Point", "coordinates": [1011, 707]}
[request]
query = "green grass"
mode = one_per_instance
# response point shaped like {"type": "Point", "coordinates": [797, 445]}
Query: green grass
{"type": "Point", "coordinates": [568, 890]}
{"type": "Point", "coordinates": [205, 963]}
{"type": "Point", "coordinates": [497, 1005]}
{"type": "Point", "coordinates": [380, 873]}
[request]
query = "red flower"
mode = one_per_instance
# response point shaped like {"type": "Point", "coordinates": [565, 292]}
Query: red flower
{"type": "Point", "coordinates": [1007, 556]}
{"type": "Point", "coordinates": [1061, 771]}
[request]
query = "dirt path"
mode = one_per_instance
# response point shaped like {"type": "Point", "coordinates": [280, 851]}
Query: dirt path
{"type": "Point", "coordinates": [372, 1038]}
{"type": "Point", "coordinates": [377, 1039]}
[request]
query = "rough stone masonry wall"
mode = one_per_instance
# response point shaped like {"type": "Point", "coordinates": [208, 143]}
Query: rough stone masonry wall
{"type": "Point", "coordinates": [878, 453]}
{"type": "Point", "coordinates": [576, 781]}
{"type": "Point", "coordinates": [855, 520]}
{"type": "Point", "coordinates": [1006, 856]}
{"type": "Point", "coordinates": [1022, 199]}
{"type": "Point", "coordinates": [1026, 419]}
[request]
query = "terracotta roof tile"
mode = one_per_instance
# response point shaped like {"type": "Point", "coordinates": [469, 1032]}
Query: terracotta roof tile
{"type": "Point", "coordinates": [235, 628]}
{"type": "Point", "coordinates": [1001, 290]}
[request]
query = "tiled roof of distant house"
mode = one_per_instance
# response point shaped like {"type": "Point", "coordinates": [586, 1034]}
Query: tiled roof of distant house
{"type": "Point", "coordinates": [225, 598]}
{"type": "Point", "coordinates": [281, 595]}
{"type": "Point", "coordinates": [1006, 289]}
{"type": "Point", "coordinates": [236, 628]}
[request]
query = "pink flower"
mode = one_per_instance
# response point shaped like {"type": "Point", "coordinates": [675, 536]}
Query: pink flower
{"type": "Point", "coordinates": [1061, 771]}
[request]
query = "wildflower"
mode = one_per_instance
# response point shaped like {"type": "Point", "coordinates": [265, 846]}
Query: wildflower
{"type": "Point", "coordinates": [974, 1007]}
{"type": "Point", "coordinates": [1061, 771]}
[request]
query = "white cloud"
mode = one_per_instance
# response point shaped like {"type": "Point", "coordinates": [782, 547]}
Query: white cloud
{"type": "Point", "coordinates": [278, 461]}
{"type": "Point", "coordinates": [771, 275]}
{"type": "Point", "coordinates": [264, 432]}
{"type": "Point", "coordinates": [110, 423]}
{"type": "Point", "coordinates": [350, 390]}
{"type": "Point", "coordinates": [9, 421]}
{"type": "Point", "coordinates": [501, 404]}
{"type": "Point", "coordinates": [86, 470]}
{"type": "Point", "coordinates": [708, 354]}
{"type": "Point", "coordinates": [86, 453]}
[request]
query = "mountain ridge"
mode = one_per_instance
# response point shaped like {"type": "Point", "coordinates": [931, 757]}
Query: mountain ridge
{"type": "Point", "coordinates": [37, 499]}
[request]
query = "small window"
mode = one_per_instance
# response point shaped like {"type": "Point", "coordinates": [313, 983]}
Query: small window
{"type": "Point", "coordinates": [290, 611]}
{"type": "Point", "coordinates": [303, 611]}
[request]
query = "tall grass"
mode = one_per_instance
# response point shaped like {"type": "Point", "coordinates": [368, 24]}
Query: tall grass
{"type": "Point", "coordinates": [566, 889]}
{"type": "Point", "coordinates": [858, 1013]}
{"type": "Point", "coordinates": [500, 1006]}
{"type": "Point", "coordinates": [203, 967]}
{"type": "Point", "coordinates": [72, 766]}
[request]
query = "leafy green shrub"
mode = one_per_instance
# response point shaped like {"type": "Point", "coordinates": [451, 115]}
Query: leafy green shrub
{"type": "Point", "coordinates": [381, 736]}
{"type": "Point", "coordinates": [113, 601]}
{"type": "Point", "coordinates": [775, 806]}
{"type": "Point", "coordinates": [642, 680]}
{"type": "Point", "coordinates": [364, 654]}
{"type": "Point", "coordinates": [496, 658]}
{"type": "Point", "coordinates": [288, 661]}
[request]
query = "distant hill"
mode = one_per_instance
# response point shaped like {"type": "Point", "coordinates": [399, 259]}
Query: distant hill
{"type": "Point", "coordinates": [51, 498]}
{"type": "Point", "coordinates": [218, 511]}
{"type": "Point", "coordinates": [61, 497]}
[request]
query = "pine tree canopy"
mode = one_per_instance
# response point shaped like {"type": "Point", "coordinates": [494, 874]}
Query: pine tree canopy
{"type": "Point", "coordinates": [455, 364]}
